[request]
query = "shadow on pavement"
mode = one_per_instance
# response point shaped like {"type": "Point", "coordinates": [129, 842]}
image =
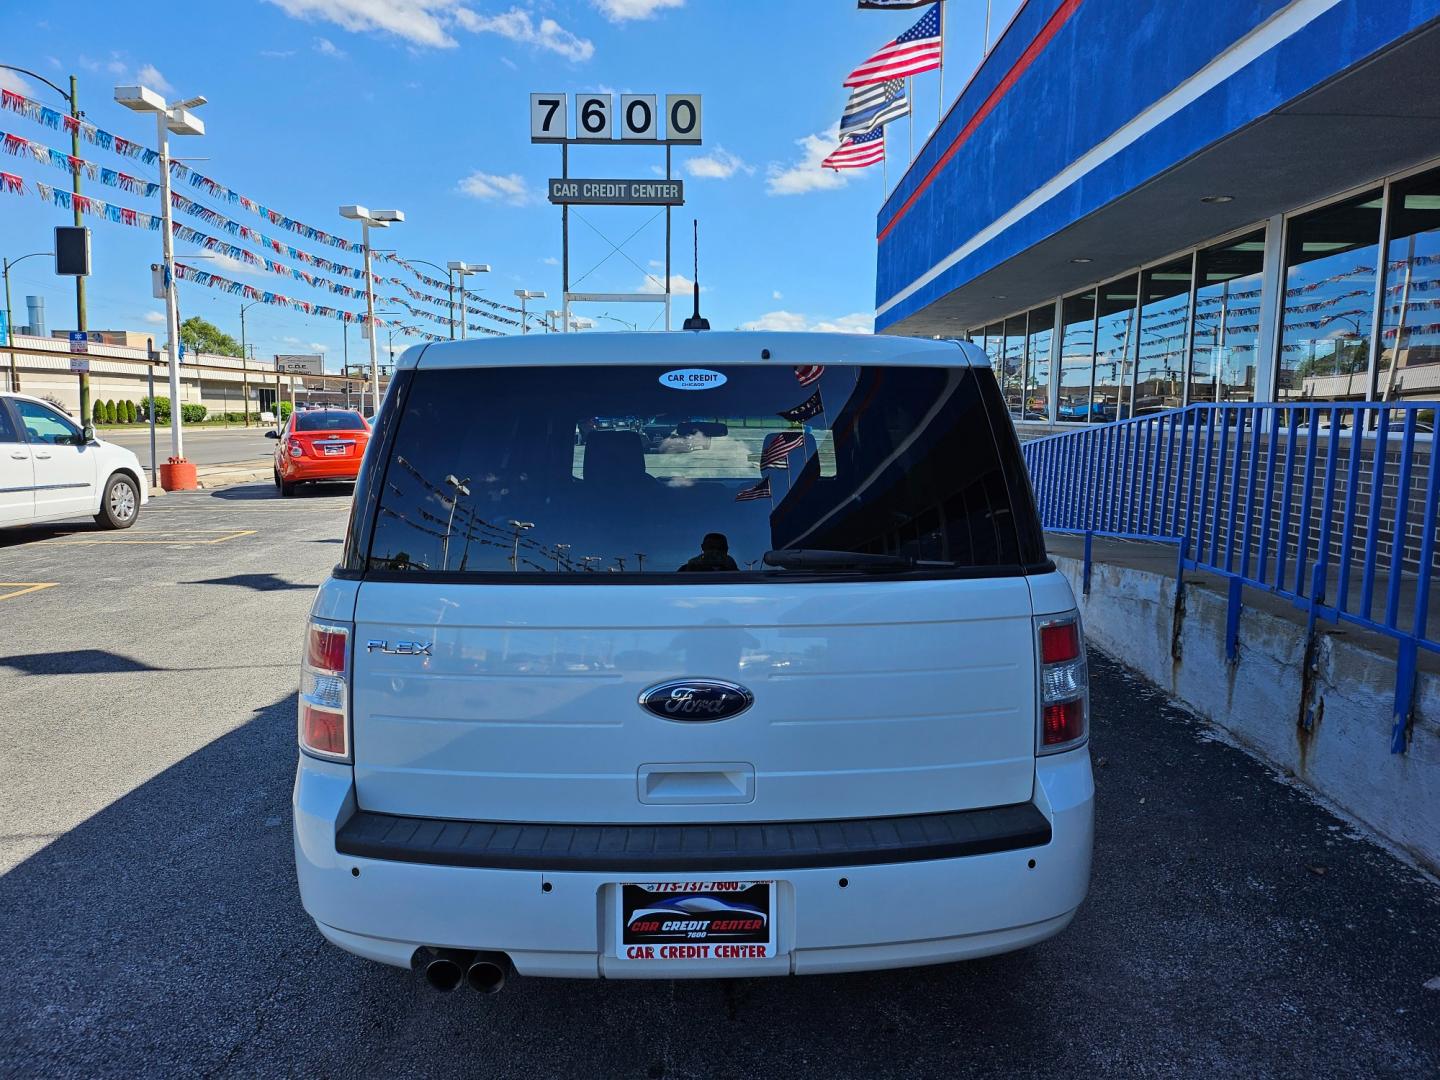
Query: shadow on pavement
{"type": "Point", "coordinates": [265, 491]}
{"type": "Point", "coordinates": [75, 662]}
{"type": "Point", "coordinates": [257, 582]}
{"type": "Point", "coordinates": [14, 536]}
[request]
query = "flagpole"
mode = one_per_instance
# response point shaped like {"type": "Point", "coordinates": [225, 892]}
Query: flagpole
{"type": "Point", "coordinates": [987, 29]}
{"type": "Point", "coordinates": [910, 97]}
{"type": "Point", "coordinates": [940, 73]}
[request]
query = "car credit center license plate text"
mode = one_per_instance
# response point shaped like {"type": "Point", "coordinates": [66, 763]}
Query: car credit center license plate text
{"type": "Point", "coordinates": [697, 920]}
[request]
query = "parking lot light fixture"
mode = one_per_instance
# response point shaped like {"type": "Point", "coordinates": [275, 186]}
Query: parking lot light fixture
{"type": "Point", "coordinates": [176, 118]}
{"type": "Point", "coordinates": [462, 270]}
{"type": "Point", "coordinates": [9, 321]}
{"type": "Point", "coordinates": [519, 527]}
{"type": "Point", "coordinates": [378, 219]}
{"type": "Point", "coordinates": [458, 488]}
{"type": "Point", "coordinates": [524, 295]}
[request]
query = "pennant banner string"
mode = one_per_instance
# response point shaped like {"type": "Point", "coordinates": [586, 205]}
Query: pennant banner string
{"type": "Point", "coordinates": [16, 146]}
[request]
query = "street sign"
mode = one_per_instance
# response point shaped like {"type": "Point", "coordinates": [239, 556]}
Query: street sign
{"type": "Point", "coordinates": [548, 122]}
{"type": "Point", "coordinates": [80, 365]}
{"type": "Point", "coordinates": [157, 280]}
{"type": "Point", "coordinates": [682, 118]}
{"type": "Point", "coordinates": [570, 191]}
{"type": "Point", "coordinates": [638, 119]}
{"type": "Point", "coordinates": [300, 364]}
{"type": "Point", "coordinates": [79, 342]}
{"type": "Point", "coordinates": [4, 330]}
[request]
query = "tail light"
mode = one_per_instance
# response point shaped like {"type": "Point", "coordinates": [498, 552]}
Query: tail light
{"type": "Point", "coordinates": [297, 449]}
{"type": "Point", "coordinates": [325, 691]}
{"type": "Point", "coordinates": [1064, 684]}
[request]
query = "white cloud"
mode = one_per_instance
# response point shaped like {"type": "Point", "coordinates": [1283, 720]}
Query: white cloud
{"type": "Point", "coordinates": [482, 185]}
{"type": "Point", "coordinates": [149, 75]}
{"type": "Point", "coordinates": [9, 80]}
{"type": "Point", "coordinates": [806, 175]}
{"type": "Point", "coordinates": [718, 165]}
{"type": "Point", "coordinates": [550, 260]}
{"type": "Point", "coordinates": [326, 47]}
{"type": "Point", "coordinates": [510, 63]}
{"type": "Point", "coordinates": [219, 263]}
{"type": "Point", "coordinates": [777, 295]}
{"type": "Point", "coordinates": [517, 25]}
{"type": "Point", "coordinates": [679, 285]}
{"type": "Point", "coordinates": [277, 54]}
{"type": "Point", "coordinates": [858, 323]}
{"type": "Point", "coordinates": [420, 22]}
{"type": "Point", "coordinates": [623, 10]}
{"type": "Point", "coordinates": [317, 347]}
{"type": "Point", "coordinates": [154, 318]}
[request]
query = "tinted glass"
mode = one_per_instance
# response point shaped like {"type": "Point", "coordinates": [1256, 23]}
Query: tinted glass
{"type": "Point", "coordinates": [1040, 329]}
{"type": "Point", "coordinates": [1012, 371]}
{"type": "Point", "coordinates": [1164, 314]}
{"type": "Point", "coordinates": [1077, 357]}
{"type": "Point", "coordinates": [1227, 320]}
{"type": "Point", "coordinates": [328, 420]}
{"type": "Point", "coordinates": [588, 470]}
{"type": "Point", "coordinates": [1114, 349]}
{"type": "Point", "coordinates": [8, 434]}
{"type": "Point", "coordinates": [43, 424]}
{"type": "Point", "coordinates": [1330, 260]}
{"type": "Point", "coordinates": [1410, 327]}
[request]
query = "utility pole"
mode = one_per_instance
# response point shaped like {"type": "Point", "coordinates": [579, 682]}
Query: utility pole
{"type": "Point", "coordinates": [79, 278]}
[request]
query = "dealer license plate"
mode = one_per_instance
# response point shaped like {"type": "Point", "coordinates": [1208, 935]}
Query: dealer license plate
{"type": "Point", "coordinates": [712, 921]}
{"type": "Point", "coordinates": [335, 450]}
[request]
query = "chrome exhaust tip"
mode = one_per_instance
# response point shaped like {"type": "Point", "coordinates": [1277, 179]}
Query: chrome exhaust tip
{"type": "Point", "coordinates": [488, 972]}
{"type": "Point", "coordinates": [446, 969]}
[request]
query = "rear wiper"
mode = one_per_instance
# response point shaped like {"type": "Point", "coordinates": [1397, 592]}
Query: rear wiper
{"type": "Point", "coordinates": [824, 559]}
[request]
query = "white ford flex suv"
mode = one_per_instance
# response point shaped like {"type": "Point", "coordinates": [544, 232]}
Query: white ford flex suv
{"type": "Point", "coordinates": [689, 655]}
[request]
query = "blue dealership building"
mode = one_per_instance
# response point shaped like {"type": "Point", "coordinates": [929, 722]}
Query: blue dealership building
{"type": "Point", "coordinates": [1140, 204]}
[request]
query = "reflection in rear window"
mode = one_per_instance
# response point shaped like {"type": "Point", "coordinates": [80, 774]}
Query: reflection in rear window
{"type": "Point", "coordinates": [328, 420]}
{"type": "Point", "coordinates": [591, 470]}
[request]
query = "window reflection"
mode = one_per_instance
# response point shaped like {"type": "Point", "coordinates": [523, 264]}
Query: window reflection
{"type": "Point", "coordinates": [1227, 320]}
{"type": "Point", "coordinates": [1077, 355]}
{"type": "Point", "coordinates": [1330, 275]}
{"type": "Point", "coordinates": [1114, 348]}
{"type": "Point", "coordinates": [1040, 330]}
{"type": "Point", "coordinates": [1012, 362]}
{"type": "Point", "coordinates": [1164, 319]}
{"type": "Point", "coordinates": [1410, 314]}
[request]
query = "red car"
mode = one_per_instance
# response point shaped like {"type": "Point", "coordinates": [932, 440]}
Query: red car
{"type": "Point", "coordinates": [320, 445]}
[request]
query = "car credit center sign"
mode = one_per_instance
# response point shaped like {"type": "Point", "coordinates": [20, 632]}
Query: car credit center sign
{"type": "Point", "coordinates": [622, 192]}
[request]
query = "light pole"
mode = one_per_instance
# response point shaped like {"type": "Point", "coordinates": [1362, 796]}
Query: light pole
{"type": "Point", "coordinates": [462, 270]}
{"type": "Point", "coordinates": [380, 219]}
{"type": "Point", "coordinates": [459, 489]}
{"type": "Point", "coordinates": [524, 295]}
{"type": "Point", "coordinates": [519, 527]}
{"type": "Point", "coordinates": [174, 118]}
{"type": "Point", "coordinates": [244, 365]}
{"type": "Point", "coordinates": [559, 556]}
{"type": "Point", "coordinates": [450, 288]}
{"type": "Point", "coordinates": [10, 323]}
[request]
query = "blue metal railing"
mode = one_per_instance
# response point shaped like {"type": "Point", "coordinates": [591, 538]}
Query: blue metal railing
{"type": "Point", "coordinates": [1331, 506]}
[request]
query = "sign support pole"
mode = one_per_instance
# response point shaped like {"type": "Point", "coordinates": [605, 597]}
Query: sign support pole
{"type": "Point", "coordinates": [564, 247]}
{"type": "Point", "coordinates": [668, 176]}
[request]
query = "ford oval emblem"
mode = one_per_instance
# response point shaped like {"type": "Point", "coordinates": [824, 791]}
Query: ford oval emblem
{"type": "Point", "coordinates": [696, 700]}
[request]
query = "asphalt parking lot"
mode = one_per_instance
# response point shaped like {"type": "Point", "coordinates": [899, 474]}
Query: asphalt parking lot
{"type": "Point", "coordinates": [152, 926]}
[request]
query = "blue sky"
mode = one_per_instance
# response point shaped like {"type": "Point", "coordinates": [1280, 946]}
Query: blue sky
{"type": "Point", "coordinates": [423, 105]}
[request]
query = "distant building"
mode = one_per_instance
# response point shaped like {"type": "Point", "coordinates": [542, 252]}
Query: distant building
{"type": "Point", "coordinates": [130, 339]}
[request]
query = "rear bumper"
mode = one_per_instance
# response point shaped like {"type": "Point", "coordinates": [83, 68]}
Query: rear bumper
{"type": "Point", "coordinates": [299, 470]}
{"type": "Point", "coordinates": [561, 922]}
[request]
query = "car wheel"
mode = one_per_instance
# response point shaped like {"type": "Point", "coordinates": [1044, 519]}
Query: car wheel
{"type": "Point", "coordinates": [286, 489]}
{"type": "Point", "coordinates": [277, 477]}
{"type": "Point", "coordinates": [120, 503]}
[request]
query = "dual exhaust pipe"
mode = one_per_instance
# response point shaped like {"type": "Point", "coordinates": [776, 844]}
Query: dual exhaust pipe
{"type": "Point", "coordinates": [487, 972]}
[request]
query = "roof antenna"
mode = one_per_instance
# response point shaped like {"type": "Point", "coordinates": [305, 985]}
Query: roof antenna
{"type": "Point", "coordinates": [696, 321]}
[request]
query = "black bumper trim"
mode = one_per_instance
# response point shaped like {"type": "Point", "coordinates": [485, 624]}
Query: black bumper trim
{"type": "Point", "coordinates": [781, 845]}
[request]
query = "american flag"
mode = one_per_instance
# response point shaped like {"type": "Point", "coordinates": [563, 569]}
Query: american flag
{"type": "Point", "coordinates": [808, 373]}
{"type": "Point", "coordinates": [874, 106]}
{"type": "Point", "coordinates": [759, 491]}
{"type": "Point", "coordinates": [810, 407]}
{"type": "Point", "coordinates": [859, 152]}
{"type": "Point", "coordinates": [779, 448]}
{"type": "Point", "coordinates": [918, 49]}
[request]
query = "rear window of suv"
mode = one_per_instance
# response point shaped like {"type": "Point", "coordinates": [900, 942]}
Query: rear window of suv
{"type": "Point", "coordinates": [587, 470]}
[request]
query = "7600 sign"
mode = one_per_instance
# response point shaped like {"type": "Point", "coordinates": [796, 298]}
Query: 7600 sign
{"type": "Point", "coordinates": [639, 118]}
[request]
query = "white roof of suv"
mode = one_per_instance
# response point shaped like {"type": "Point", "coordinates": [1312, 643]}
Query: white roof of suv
{"type": "Point", "coordinates": [693, 349]}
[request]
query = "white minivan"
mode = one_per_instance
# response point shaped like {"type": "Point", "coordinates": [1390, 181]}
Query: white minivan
{"type": "Point", "coordinates": [692, 655]}
{"type": "Point", "coordinates": [52, 468]}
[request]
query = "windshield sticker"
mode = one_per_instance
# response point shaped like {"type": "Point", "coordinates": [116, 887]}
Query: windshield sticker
{"type": "Point", "coordinates": [692, 379]}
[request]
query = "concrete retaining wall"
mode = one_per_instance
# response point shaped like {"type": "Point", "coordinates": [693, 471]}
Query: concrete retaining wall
{"type": "Point", "coordinates": [1344, 756]}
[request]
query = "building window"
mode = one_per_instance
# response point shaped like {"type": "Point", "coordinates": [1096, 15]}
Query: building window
{"type": "Point", "coordinates": [1077, 357]}
{"type": "Point", "coordinates": [1410, 313]}
{"type": "Point", "coordinates": [1227, 320]}
{"type": "Point", "coordinates": [1114, 349]}
{"type": "Point", "coordinates": [1164, 322]}
{"type": "Point", "coordinates": [1331, 256]}
{"type": "Point", "coordinates": [1012, 362]}
{"type": "Point", "coordinates": [1040, 330]}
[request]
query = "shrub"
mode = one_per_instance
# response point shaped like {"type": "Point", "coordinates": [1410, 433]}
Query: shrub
{"type": "Point", "coordinates": [192, 414]}
{"type": "Point", "coordinates": [110, 411]}
{"type": "Point", "coordinates": [130, 412]}
{"type": "Point", "coordinates": [161, 408]}
{"type": "Point", "coordinates": [284, 411]}
{"type": "Point", "coordinates": [97, 413]}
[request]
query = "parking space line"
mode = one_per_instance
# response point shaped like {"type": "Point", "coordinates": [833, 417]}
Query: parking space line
{"type": "Point", "coordinates": [176, 537]}
{"type": "Point", "coordinates": [22, 588]}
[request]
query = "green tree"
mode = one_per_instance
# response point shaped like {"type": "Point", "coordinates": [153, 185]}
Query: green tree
{"type": "Point", "coordinates": [129, 412]}
{"type": "Point", "coordinates": [97, 414]}
{"type": "Point", "coordinates": [110, 412]}
{"type": "Point", "coordinates": [204, 336]}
